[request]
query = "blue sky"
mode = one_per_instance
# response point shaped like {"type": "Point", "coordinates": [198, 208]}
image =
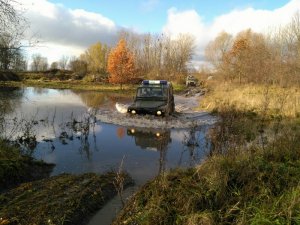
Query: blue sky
{"type": "Point", "coordinates": [151, 15]}
{"type": "Point", "coordinates": [69, 27]}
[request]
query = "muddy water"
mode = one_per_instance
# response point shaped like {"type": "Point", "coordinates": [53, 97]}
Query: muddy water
{"type": "Point", "coordinates": [69, 136]}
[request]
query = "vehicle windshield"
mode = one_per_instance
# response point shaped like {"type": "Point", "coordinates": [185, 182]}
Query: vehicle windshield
{"type": "Point", "coordinates": [151, 92]}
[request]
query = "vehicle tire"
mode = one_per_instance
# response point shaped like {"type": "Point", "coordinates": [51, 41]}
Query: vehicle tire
{"type": "Point", "coordinates": [173, 105]}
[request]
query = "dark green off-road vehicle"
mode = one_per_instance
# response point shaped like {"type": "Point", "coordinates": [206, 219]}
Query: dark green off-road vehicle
{"type": "Point", "coordinates": [153, 97]}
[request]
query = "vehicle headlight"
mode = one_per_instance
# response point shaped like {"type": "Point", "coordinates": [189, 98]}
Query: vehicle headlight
{"type": "Point", "coordinates": [158, 112]}
{"type": "Point", "coordinates": [157, 134]}
{"type": "Point", "coordinates": [133, 111]}
{"type": "Point", "coordinates": [132, 131]}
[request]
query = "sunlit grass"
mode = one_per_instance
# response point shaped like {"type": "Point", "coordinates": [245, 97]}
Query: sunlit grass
{"type": "Point", "coordinates": [256, 98]}
{"type": "Point", "coordinates": [81, 85]}
{"type": "Point", "coordinates": [251, 175]}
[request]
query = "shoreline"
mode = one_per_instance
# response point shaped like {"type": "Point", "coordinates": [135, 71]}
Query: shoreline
{"type": "Point", "coordinates": [79, 85]}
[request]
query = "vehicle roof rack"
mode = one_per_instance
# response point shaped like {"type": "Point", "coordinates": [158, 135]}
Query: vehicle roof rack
{"type": "Point", "coordinates": [149, 82]}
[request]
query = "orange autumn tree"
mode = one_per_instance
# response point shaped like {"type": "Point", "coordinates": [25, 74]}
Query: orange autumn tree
{"type": "Point", "coordinates": [120, 64]}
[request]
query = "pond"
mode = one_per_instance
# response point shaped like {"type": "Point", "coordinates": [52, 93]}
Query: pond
{"type": "Point", "coordinates": [69, 136]}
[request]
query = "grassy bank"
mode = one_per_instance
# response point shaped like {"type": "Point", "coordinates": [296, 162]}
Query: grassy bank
{"type": "Point", "coordinates": [79, 85]}
{"type": "Point", "coordinates": [251, 175]}
{"type": "Point", "coordinates": [259, 99]}
{"type": "Point", "coordinates": [63, 199]}
{"type": "Point", "coordinates": [48, 79]}
{"type": "Point", "coordinates": [75, 85]}
{"type": "Point", "coordinates": [16, 168]}
{"type": "Point", "coordinates": [253, 187]}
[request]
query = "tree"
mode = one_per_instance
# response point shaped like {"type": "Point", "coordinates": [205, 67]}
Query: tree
{"type": "Point", "coordinates": [9, 50]}
{"type": "Point", "coordinates": [12, 29]}
{"type": "Point", "coordinates": [121, 64]}
{"type": "Point", "coordinates": [285, 48]}
{"type": "Point", "coordinates": [63, 62]}
{"type": "Point", "coordinates": [120, 132]}
{"type": "Point", "coordinates": [78, 66]}
{"type": "Point", "coordinates": [96, 58]}
{"type": "Point", "coordinates": [54, 65]}
{"type": "Point", "coordinates": [218, 48]}
{"type": "Point", "coordinates": [249, 58]}
{"type": "Point", "coordinates": [158, 56]}
{"type": "Point", "coordinates": [39, 63]}
{"type": "Point", "coordinates": [8, 14]}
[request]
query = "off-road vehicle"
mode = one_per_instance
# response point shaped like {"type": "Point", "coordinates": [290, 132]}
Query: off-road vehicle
{"type": "Point", "coordinates": [191, 81]}
{"type": "Point", "coordinates": [153, 97]}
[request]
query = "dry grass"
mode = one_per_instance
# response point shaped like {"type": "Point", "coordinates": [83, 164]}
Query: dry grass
{"type": "Point", "coordinates": [254, 186]}
{"type": "Point", "coordinates": [284, 101]}
{"type": "Point", "coordinates": [251, 175]}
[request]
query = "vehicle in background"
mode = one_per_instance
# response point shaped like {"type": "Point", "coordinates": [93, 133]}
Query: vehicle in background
{"type": "Point", "coordinates": [153, 97]}
{"type": "Point", "coordinates": [191, 81]}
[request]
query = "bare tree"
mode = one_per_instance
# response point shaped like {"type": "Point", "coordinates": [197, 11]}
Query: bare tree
{"type": "Point", "coordinates": [63, 62]}
{"type": "Point", "coordinates": [54, 65]}
{"type": "Point", "coordinates": [12, 28]}
{"type": "Point", "coordinates": [160, 56]}
{"type": "Point", "coordinates": [78, 66]}
{"type": "Point", "coordinates": [218, 48]}
{"type": "Point", "coordinates": [8, 14]}
{"type": "Point", "coordinates": [39, 63]}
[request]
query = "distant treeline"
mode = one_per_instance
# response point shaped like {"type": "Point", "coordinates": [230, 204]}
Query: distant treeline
{"type": "Point", "coordinates": [251, 57]}
{"type": "Point", "coordinates": [247, 57]}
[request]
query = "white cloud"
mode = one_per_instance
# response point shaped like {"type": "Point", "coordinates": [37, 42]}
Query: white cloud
{"type": "Point", "coordinates": [54, 51]}
{"type": "Point", "coordinates": [63, 31]}
{"type": "Point", "coordinates": [149, 5]}
{"type": "Point", "coordinates": [233, 22]}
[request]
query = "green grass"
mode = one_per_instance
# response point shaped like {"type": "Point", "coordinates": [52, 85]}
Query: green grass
{"type": "Point", "coordinates": [79, 85]}
{"type": "Point", "coordinates": [75, 85]}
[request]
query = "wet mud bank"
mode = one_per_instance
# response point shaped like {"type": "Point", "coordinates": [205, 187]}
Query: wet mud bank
{"type": "Point", "coordinates": [62, 199]}
{"type": "Point", "coordinates": [16, 168]}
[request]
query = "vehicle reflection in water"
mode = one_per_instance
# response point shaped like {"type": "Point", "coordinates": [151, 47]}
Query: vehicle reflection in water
{"type": "Point", "coordinates": [152, 139]}
{"type": "Point", "coordinates": [70, 137]}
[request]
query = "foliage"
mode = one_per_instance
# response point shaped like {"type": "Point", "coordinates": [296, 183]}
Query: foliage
{"type": "Point", "coordinates": [96, 58]}
{"type": "Point", "coordinates": [251, 57]}
{"type": "Point", "coordinates": [160, 56]}
{"type": "Point", "coordinates": [78, 66]}
{"type": "Point", "coordinates": [121, 64]}
{"type": "Point", "coordinates": [13, 26]}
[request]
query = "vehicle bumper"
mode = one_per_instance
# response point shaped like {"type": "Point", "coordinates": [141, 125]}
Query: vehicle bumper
{"type": "Point", "coordinates": [151, 111]}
